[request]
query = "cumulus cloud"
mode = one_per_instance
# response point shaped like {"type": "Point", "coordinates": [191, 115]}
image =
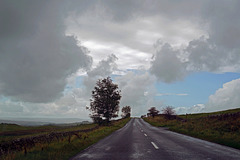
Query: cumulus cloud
{"type": "Point", "coordinates": [36, 56]}
{"type": "Point", "coordinates": [215, 51]}
{"type": "Point", "coordinates": [167, 66]}
{"type": "Point", "coordinates": [68, 106]}
{"type": "Point", "coordinates": [130, 28]}
{"type": "Point", "coordinates": [104, 68]}
{"type": "Point", "coordinates": [40, 50]}
{"type": "Point", "coordinates": [137, 89]}
{"type": "Point", "coordinates": [226, 97]}
{"type": "Point", "coordinates": [206, 55]}
{"type": "Point", "coordinates": [201, 36]}
{"type": "Point", "coordinates": [198, 108]}
{"type": "Point", "coordinates": [74, 101]}
{"type": "Point", "coordinates": [202, 54]}
{"type": "Point", "coordinates": [79, 97]}
{"type": "Point", "coordinates": [204, 35]}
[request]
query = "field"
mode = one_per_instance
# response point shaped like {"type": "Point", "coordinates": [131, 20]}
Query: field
{"type": "Point", "coordinates": [219, 127]}
{"type": "Point", "coordinates": [51, 142]}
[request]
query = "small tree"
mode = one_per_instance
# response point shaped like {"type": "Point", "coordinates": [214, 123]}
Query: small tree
{"type": "Point", "coordinates": [126, 112]}
{"type": "Point", "coordinates": [105, 101]}
{"type": "Point", "coordinates": [168, 112]}
{"type": "Point", "coordinates": [153, 112]}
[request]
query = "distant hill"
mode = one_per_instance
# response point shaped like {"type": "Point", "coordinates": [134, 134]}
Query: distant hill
{"type": "Point", "coordinates": [42, 121]}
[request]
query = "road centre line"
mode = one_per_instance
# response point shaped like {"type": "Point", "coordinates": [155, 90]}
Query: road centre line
{"type": "Point", "coordinates": [154, 145]}
{"type": "Point", "coordinates": [145, 135]}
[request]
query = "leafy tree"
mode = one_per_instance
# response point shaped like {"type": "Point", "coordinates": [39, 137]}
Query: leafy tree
{"type": "Point", "coordinates": [126, 112]}
{"type": "Point", "coordinates": [153, 112]}
{"type": "Point", "coordinates": [105, 101]}
{"type": "Point", "coordinates": [168, 112]}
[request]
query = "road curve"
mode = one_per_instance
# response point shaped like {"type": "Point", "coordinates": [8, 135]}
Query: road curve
{"type": "Point", "coordinates": [139, 140]}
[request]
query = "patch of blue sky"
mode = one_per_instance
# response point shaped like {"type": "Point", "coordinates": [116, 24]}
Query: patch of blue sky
{"type": "Point", "coordinates": [79, 81]}
{"type": "Point", "coordinates": [198, 87]}
{"type": "Point", "coordinates": [4, 99]}
{"type": "Point", "coordinates": [78, 84]}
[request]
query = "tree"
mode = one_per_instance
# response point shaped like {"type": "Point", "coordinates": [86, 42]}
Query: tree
{"type": "Point", "coordinates": [105, 101]}
{"type": "Point", "coordinates": [153, 112]}
{"type": "Point", "coordinates": [126, 112]}
{"type": "Point", "coordinates": [168, 112]}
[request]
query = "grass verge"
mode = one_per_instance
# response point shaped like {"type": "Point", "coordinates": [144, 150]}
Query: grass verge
{"type": "Point", "coordinates": [63, 149]}
{"type": "Point", "coordinates": [219, 127]}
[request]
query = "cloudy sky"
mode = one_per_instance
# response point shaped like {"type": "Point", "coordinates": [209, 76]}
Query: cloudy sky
{"type": "Point", "coordinates": [181, 53]}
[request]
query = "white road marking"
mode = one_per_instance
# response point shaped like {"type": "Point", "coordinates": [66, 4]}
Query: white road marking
{"type": "Point", "coordinates": [145, 135]}
{"type": "Point", "coordinates": [108, 148]}
{"type": "Point", "coordinates": [154, 145]}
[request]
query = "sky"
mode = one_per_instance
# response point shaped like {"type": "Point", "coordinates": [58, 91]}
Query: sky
{"type": "Point", "coordinates": [184, 54]}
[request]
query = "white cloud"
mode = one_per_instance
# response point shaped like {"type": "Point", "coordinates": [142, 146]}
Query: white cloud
{"type": "Point", "coordinates": [39, 59]}
{"type": "Point", "coordinates": [131, 37]}
{"type": "Point", "coordinates": [198, 108]}
{"type": "Point", "coordinates": [71, 105]}
{"type": "Point", "coordinates": [226, 97]}
{"type": "Point", "coordinates": [137, 89]}
{"type": "Point", "coordinates": [103, 69]}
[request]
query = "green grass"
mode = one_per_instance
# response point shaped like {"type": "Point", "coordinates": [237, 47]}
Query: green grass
{"type": "Point", "coordinates": [63, 149]}
{"type": "Point", "coordinates": [12, 131]}
{"type": "Point", "coordinates": [205, 126]}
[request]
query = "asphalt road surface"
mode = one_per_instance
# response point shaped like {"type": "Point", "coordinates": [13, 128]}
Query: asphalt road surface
{"type": "Point", "coordinates": [141, 141]}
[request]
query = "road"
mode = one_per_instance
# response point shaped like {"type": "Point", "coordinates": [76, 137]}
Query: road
{"type": "Point", "coordinates": [139, 140]}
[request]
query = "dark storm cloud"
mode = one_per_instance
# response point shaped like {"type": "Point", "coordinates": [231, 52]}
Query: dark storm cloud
{"type": "Point", "coordinates": [35, 55]}
{"type": "Point", "coordinates": [126, 10]}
